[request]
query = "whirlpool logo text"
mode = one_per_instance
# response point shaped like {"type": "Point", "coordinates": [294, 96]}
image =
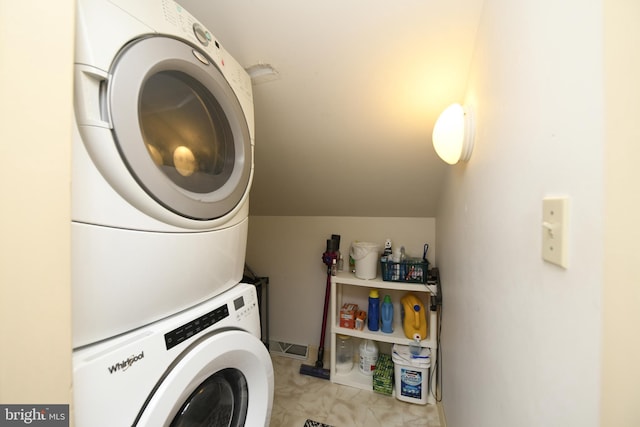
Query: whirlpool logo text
{"type": "Point", "coordinates": [126, 364]}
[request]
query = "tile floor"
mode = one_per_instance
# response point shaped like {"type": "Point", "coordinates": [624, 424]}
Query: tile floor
{"type": "Point", "coordinates": [298, 397]}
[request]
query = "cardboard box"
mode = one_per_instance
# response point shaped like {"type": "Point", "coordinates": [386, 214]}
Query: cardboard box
{"type": "Point", "coordinates": [361, 319]}
{"type": "Point", "coordinates": [348, 315]}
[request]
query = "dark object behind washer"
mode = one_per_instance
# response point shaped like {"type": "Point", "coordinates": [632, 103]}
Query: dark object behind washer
{"type": "Point", "coordinates": [262, 289]}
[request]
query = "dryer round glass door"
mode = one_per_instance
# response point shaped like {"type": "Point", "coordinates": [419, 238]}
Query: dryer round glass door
{"type": "Point", "coordinates": [179, 127]}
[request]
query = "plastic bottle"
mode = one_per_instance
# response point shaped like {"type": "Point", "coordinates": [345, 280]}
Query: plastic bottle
{"type": "Point", "coordinates": [352, 264]}
{"type": "Point", "coordinates": [388, 249]}
{"type": "Point", "coordinates": [334, 268]}
{"type": "Point", "coordinates": [368, 357]}
{"type": "Point", "coordinates": [373, 315]}
{"type": "Point", "coordinates": [386, 314]}
{"type": "Point", "coordinates": [414, 347]}
{"type": "Point", "coordinates": [344, 354]}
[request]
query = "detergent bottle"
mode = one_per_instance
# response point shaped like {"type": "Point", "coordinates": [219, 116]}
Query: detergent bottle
{"type": "Point", "coordinates": [373, 314]}
{"type": "Point", "coordinates": [414, 319]}
{"type": "Point", "coordinates": [386, 314]}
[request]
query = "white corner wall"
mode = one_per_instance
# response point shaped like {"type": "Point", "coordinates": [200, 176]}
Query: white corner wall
{"type": "Point", "coordinates": [36, 59]}
{"type": "Point", "coordinates": [621, 344]}
{"type": "Point", "coordinates": [288, 249]}
{"type": "Point", "coordinates": [521, 337]}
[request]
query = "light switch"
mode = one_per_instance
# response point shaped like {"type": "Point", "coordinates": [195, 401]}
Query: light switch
{"type": "Point", "coordinates": [555, 227]}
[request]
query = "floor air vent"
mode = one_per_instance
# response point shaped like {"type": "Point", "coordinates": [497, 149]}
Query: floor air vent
{"type": "Point", "coordinates": [295, 351]}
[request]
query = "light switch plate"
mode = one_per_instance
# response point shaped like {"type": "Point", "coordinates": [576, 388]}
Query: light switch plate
{"type": "Point", "coordinates": [555, 227]}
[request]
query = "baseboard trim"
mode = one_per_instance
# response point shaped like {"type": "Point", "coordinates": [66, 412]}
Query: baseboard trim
{"type": "Point", "coordinates": [443, 419]}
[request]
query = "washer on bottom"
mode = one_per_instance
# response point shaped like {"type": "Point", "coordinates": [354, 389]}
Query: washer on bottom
{"type": "Point", "coordinates": [203, 366]}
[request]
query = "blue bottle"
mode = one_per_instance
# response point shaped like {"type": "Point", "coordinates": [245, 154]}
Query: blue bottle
{"type": "Point", "coordinates": [386, 314]}
{"type": "Point", "coordinates": [373, 314]}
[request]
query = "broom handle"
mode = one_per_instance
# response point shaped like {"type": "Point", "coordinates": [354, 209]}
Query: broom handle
{"type": "Point", "coordinates": [327, 293]}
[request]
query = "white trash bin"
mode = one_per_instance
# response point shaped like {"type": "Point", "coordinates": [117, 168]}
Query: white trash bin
{"type": "Point", "coordinates": [411, 374]}
{"type": "Point", "coordinates": [366, 257]}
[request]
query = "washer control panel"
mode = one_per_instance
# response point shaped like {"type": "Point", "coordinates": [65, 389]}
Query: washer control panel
{"type": "Point", "coordinates": [241, 311]}
{"type": "Point", "coordinates": [244, 305]}
{"type": "Point", "coordinates": [188, 330]}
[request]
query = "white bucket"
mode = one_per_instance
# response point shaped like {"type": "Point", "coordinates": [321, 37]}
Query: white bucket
{"type": "Point", "coordinates": [365, 255]}
{"type": "Point", "coordinates": [411, 374]}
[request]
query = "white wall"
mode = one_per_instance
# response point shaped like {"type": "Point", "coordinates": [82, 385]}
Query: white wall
{"type": "Point", "coordinates": [36, 57]}
{"type": "Point", "coordinates": [289, 250]}
{"type": "Point", "coordinates": [621, 345]}
{"type": "Point", "coordinates": [521, 337]}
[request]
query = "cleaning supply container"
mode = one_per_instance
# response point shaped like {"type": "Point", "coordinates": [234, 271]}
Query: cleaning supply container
{"type": "Point", "coordinates": [383, 375]}
{"type": "Point", "coordinates": [414, 317]}
{"type": "Point", "coordinates": [368, 356]}
{"type": "Point", "coordinates": [373, 315]}
{"type": "Point", "coordinates": [386, 315]}
{"type": "Point", "coordinates": [411, 374]}
{"type": "Point", "coordinates": [365, 255]}
{"type": "Point", "coordinates": [344, 354]}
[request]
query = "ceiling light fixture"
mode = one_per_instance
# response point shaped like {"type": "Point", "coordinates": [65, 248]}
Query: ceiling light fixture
{"type": "Point", "coordinates": [262, 73]}
{"type": "Point", "coordinates": [453, 134]}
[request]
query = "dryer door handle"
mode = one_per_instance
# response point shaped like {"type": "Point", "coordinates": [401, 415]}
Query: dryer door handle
{"type": "Point", "coordinates": [90, 99]}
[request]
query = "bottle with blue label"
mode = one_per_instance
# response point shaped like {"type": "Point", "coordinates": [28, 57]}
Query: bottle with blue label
{"type": "Point", "coordinates": [386, 314]}
{"type": "Point", "coordinates": [373, 314]}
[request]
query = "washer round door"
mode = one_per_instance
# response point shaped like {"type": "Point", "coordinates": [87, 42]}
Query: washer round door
{"type": "Point", "coordinates": [179, 127]}
{"type": "Point", "coordinates": [223, 379]}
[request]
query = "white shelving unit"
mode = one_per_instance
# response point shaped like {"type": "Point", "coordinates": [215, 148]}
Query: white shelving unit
{"type": "Point", "coordinates": [347, 288]}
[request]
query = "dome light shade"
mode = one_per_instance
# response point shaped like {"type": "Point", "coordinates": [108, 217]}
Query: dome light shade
{"type": "Point", "coordinates": [453, 134]}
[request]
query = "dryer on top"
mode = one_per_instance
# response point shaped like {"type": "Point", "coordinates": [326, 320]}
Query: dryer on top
{"type": "Point", "coordinates": [162, 165]}
{"type": "Point", "coordinates": [165, 116]}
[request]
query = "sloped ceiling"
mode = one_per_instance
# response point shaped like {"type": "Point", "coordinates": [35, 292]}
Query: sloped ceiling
{"type": "Point", "coordinates": [345, 130]}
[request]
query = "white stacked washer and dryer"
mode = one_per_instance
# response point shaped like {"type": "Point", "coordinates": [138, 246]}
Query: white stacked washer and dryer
{"type": "Point", "coordinates": [164, 333]}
